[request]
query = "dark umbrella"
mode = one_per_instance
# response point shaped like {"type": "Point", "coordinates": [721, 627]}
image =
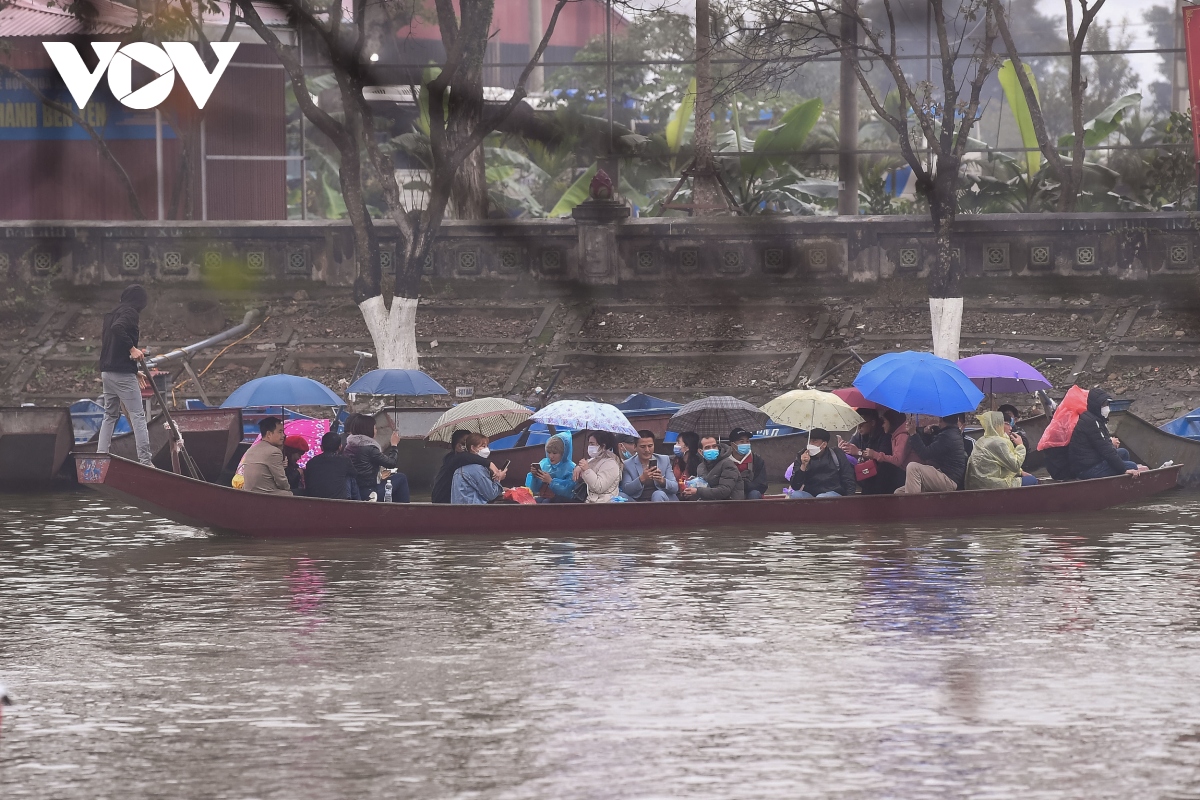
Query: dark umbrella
{"type": "Point", "coordinates": [717, 416]}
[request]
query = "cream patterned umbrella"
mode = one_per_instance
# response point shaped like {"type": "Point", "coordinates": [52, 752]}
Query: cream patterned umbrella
{"type": "Point", "coordinates": [489, 416]}
{"type": "Point", "coordinates": [810, 408]}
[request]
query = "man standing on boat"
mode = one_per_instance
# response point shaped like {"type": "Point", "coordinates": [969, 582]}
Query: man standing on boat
{"type": "Point", "coordinates": [119, 377]}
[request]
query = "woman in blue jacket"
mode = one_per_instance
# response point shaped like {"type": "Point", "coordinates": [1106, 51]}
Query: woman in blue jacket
{"type": "Point", "coordinates": [551, 481]}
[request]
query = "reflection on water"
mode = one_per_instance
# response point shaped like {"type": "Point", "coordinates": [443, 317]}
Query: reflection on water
{"type": "Point", "coordinates": [1055, 660]}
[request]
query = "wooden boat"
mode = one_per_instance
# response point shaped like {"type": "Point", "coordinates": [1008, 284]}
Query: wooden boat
{"type": "Point", "coordinates": [211, 437]}
{"type": "Point", "coordinates": [207, 505]}
{"type": "Point", "coordinates": [34, 444]}
{"type": "Point", "coordinates": [1153, 446]}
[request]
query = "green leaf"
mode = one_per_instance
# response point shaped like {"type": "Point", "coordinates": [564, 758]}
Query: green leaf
{"type": "Point", "coordinates": [677, 126]}
{"type": "Point", "coordinates": [1020, 110]}
{"type": "Point", "coordinates": [576, 194]}
{"type": "Point", "coordinates": [1100, 127]}
{"type": "Point", "coordinates": [427, 76]}
{"type": "Point", "coordinates": [787, 137]}
{"type": "Point", "coordinates": [334, 204]}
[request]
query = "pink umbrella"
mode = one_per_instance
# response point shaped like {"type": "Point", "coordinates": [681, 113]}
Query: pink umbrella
{"type": "Point", "coordinates": [311, 430]}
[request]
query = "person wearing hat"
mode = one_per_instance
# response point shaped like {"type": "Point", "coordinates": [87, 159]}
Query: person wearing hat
{"type": "Point", "coordinates": [821, 470]}
{"type": "Point", "coordinates": [750, 464]}
{"type": "Point", "coordinates": [119, 378]}
{"type": "Point", "coordinates": [293, 448]}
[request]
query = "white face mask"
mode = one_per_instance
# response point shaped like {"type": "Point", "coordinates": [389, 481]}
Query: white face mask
{"type": "Point", "coordinates": [1104, 411]}
{"type": "Point", "coordinates": [593, 450]}
{"type": "Point", "coordinates": [814, 449]}
{"type": "Point", "coordinates": [484, 452]}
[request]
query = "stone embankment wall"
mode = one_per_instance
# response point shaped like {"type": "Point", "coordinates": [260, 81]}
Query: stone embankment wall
{"type": "Point", "coordinates": [750, 307]}
{"type": "Point", "coordinates": [779, 251]}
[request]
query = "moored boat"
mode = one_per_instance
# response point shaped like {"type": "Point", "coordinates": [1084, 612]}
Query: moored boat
{"type": "Point", "coordinates": [207, 505]}
{"type": "Point", "coordinates": [1152, 446]}
{"type": "Point", "coordinates": [34, 444]}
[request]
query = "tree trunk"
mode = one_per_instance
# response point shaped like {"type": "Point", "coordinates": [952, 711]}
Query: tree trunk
{"type": "Point", "coordinates": [705, 191]}
{"type": "Point", "coordinates": [394, 330]}
{"type": "Point", "coordinates": [469, 197]}
{"type": "Point", "coordinates": [945, 296]}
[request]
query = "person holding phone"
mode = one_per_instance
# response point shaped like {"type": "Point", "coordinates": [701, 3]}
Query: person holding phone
{"type": "Point", "coordinates": [601, 470]}
{"type": "Point", "coordinates": [473, 484]}
{"type": "Point", "coordinates": [648, 477]}
{"type": "Point", "coordinates": [551, 479]}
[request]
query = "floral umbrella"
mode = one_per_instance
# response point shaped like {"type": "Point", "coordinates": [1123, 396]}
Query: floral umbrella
{"type": "Point", "coordinates": [584, 415]}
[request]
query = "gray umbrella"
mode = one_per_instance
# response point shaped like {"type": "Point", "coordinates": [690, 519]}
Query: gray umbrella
{"type": "Point", "coordinates": [717, 416]}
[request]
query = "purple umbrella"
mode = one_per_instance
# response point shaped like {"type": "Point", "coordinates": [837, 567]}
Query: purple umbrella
{"type": "Point", "coordinates": [994, 373]}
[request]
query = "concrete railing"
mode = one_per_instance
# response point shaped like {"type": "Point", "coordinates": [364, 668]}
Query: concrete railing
{"type": "Point", "coordinates": [603, 248]}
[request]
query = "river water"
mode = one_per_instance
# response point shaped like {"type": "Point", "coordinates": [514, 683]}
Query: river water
{"type": "Point", "coordinates": [147, 659]}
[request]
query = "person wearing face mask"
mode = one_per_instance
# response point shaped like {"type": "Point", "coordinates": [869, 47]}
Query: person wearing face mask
{"type": "Point", "coordinates": [601, 470]}
{"type": "Point", "coordinates": [1092, 452]}
{"type": "Point", "coordinates": [750, 464]}
{"type": "Point", "coordinates": [647, 477]}
{"type": "Point", "coordinates": [474, 484]}
{"type": "Point", "coordinates": [551, 479]}
{"type": "Point", "coordinates": [870, 436]}
{"type": "Point", "coordinates": [821, 470]}
{"type": "Point", "coordinates": [687, 457]}
{"type": "Point", "coordinates": [717, 469]}
{"type": "Point", "coordinates": [1012, 419]}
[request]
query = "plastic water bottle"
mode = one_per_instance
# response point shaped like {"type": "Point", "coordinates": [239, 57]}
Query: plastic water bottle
{"type": "Point", "coordinates": [387, 492]}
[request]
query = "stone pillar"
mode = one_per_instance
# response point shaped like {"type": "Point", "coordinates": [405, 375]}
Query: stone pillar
{"type": "Point", "coordinates": [596, 223]}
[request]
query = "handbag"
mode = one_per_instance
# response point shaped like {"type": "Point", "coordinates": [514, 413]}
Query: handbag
{"type": "Point", "coordinates": [865, 469]}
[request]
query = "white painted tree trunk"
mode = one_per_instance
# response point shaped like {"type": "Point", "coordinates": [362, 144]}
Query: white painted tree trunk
{"type": "Point", "coordinates": [945, 314]}
{"type": "Point", "coordinates": [393, 330]}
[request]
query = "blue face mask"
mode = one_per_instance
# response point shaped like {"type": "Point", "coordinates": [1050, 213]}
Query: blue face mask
{"type": "Point", "coordinates": [711, 455]}
{"type": "Point", "coordinates": [743, 449]}
{"type": "Point", "coordinates": [678, 450]}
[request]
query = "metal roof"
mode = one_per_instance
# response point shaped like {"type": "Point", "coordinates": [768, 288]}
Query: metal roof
{"type": "Point", "coordinates": [38, 18]}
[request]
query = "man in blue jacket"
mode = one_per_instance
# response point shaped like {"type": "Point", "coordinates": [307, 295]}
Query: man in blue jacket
{"type": "Point", "coordinates": [648, 477]}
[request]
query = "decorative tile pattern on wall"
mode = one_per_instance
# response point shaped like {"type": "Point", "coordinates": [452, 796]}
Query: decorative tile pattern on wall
{"type": "Point", "coordinates": [256, 261]}
{"type": "Point", "coordinates": [212, 259]}
{"type": "Point", "coordinates": [1179, 255]}
{"type": "Point", "coordinates": [468, 262]}
{"type": "Point", "coordinates": [297, 262]}
{"type": "Point", "coordinates": [43, 262]}
{"type": "Point", "coordinates": [172, 264]}
{"type": "Point", "coordinates": [1039, 256]}
{"type": "Point", "coordinates": [731, 261]}
{"type": "Point", "coordinates": [774, 261]}
{"type": "Point", "coordinates": [4, 266]}
{"type": "Point", "coordinates": [1085, 257]}
{"type": "Point", "coordinates": [645, 263]}
{"type": "Point", "coordinates": [995, 257]}
{"type": "Point", "coordinates": [818, 258]}
{"type": "Point", "coordinates": [910, 258]}
{"type": "Point", "coordinates": [509, 261]}
{"type": "Point", "coordinates": [689, 260]}
{"type": "Point", "coordinates": [552, 261]}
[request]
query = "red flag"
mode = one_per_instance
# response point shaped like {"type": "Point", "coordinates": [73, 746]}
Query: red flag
{"type": "Point", "coordinates": [1191, 38]}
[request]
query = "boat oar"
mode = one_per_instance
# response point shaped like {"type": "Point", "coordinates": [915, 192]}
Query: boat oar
{"type": "Point", "coordinates": [177, 445]}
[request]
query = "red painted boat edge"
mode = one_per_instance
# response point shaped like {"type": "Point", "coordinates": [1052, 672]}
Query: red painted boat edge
{"type": "Point", "coordinates": [206, 505]}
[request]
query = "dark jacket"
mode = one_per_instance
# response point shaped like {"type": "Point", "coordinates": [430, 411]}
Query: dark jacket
{"type": "Point", "coordinates": [878, 440]}
{"type": "Point", "coordinates": [831, 471]}
{"type": "Point", "coordinates": [754, 477]}
{"type": "Point", "coordinates": [367, 459]}
{"type": "Point", "coordinates": [1091, 442]}
{"type": "Point", "coordinates": [329, 475]}
{"type": "Point", "coordinates": [944, 451]}
{"type": "Point", "coordinates": [452, 462]}
{"type": "Point", "coordinates": [723, 477]}
{"type": "Point", "coordinates": [120, 332]}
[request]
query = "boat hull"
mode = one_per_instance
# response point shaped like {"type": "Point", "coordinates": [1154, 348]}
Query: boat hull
{"type": "Point", "coordinates": [210, 435]}
{"type": "Point", "coordinates": [34, 444]}
{"type": "Point", "coordinates": [207, 505]}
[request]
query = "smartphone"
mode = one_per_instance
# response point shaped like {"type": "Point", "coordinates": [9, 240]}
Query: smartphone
{"type": "Point", "coordinates": [535, 466]}
{"type": "Point", "coordinates": [505, 467]}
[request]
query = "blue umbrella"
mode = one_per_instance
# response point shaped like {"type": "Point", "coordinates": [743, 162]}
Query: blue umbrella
{"type": "Point", "coordinates": [917, 383]}
{"type": "Point", "coordinates": [397, 383]}
{"type": "Point", "coordinates": [282, 390]}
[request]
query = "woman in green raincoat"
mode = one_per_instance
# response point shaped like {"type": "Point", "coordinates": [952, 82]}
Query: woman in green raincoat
{"type": "Point", "coordinates": [995, 462]}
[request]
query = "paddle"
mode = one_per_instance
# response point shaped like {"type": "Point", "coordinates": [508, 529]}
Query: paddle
{"type": "Point", "coordinates": [177, 446]}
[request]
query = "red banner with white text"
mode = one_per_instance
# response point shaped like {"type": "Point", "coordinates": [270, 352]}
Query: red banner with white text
{"type": "Point", "coordinates": [1191, 38]}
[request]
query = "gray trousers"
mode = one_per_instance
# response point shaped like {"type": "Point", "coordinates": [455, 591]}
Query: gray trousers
{"type": "Point", "coordinates": [122, 388]}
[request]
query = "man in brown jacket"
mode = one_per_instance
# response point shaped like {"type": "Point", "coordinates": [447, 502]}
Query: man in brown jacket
{"type": "Point", "coordinates": [263, 468]}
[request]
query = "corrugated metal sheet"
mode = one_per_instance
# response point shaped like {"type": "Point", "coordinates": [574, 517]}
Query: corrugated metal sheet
{"type": "Point", "coordinates": [36, 18]}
